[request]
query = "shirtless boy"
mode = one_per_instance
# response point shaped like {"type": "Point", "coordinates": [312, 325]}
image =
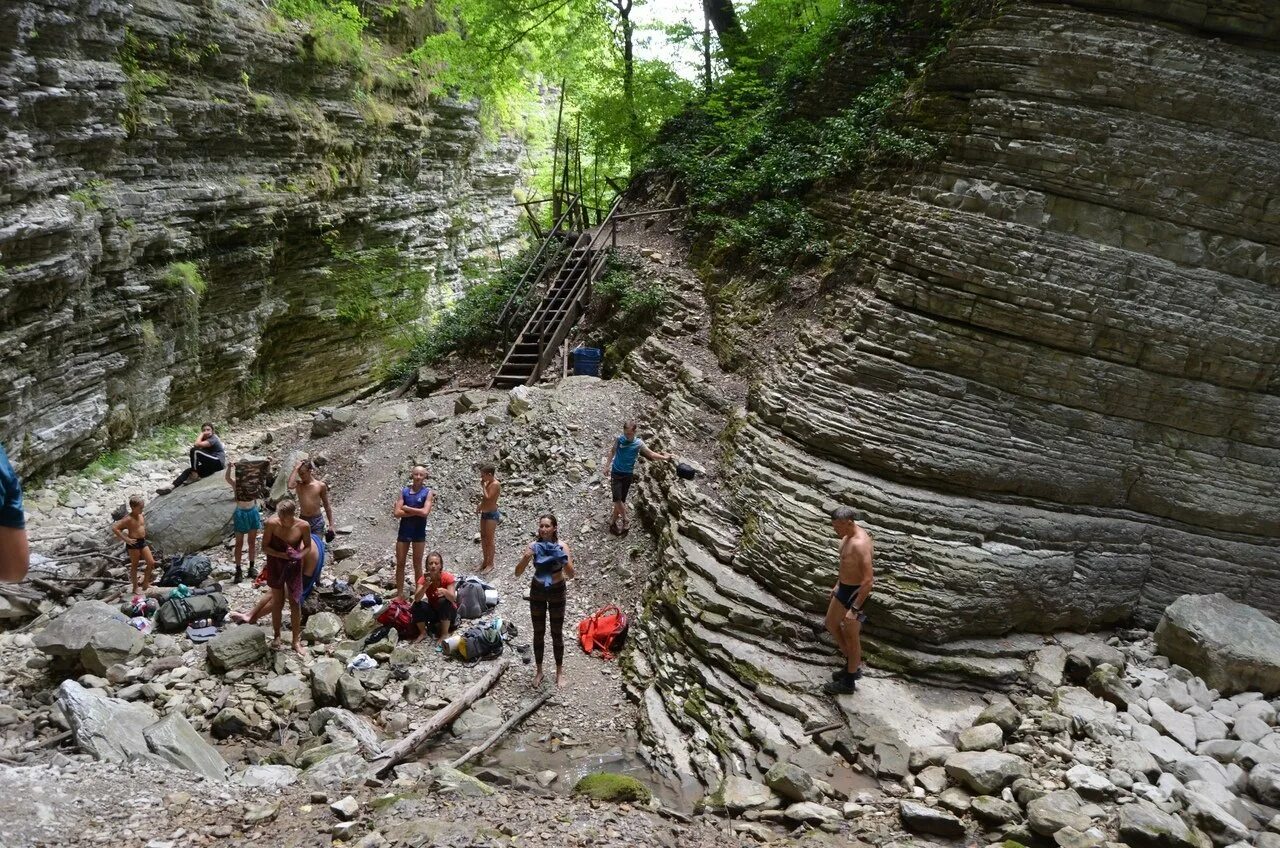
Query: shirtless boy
{"type": "Point", "coordinates": [132, 530]}
{"type": "Point", "coordinates": [844, 612]}
{"type": "Point", "coordinates": [285, 540]}
{"type": "Point", "coordinates": [312, 558]}
{"type": "Point", "coordinates": [313, 496]}
{"type": "Point", "coordinates": [490, 517]}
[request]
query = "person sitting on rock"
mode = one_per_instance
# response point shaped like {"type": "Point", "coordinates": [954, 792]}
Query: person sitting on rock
{"type": "Point", "coordinates": [435, 604]}
{"type": "Point", "coordinates": [490, 516]}
{"type": "Point", "coordinates": [285, 542]}
{"type": "Point", "coordinates": [620, 468]}
{"type": "Point", "coordinates": [132, 530]}
{"type": "Point", "coordinates": [413, 505]}
{"type": "Point", "coordinates": [15, 554]}
{"type": "Point", "coordinates": [207, 456]}
{"type": "Point", "coordinates": [844, 611]}
{"type": "Point", "coordinates": [313, 498]}
{"type": "Point", "coordinates": [247, 520]}
{"type": "Point", "coordinates": [312, 558]}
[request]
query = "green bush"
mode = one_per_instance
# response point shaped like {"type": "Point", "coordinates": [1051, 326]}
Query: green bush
{"type": "Point", "coordinates": [337, 28]}
{"type": "Point", "coordinates": [185, 275]}
{"type": "Point", "coordinates": [623, 310]}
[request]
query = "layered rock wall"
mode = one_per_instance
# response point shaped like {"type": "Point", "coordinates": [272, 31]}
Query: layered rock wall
{"type": "Point", "coordinates": [152, 149]}
{"type": "Point", "coordinates": [1048, 377]}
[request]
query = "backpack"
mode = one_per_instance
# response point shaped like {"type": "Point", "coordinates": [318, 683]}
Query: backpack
{"type": "Point", "coordinates": [606, 629]}
{"type": "Point", "coordinates": [475, 597]}
{"type": "Point", "coordinates": [189, 570]}
{"type": "Point", "coordinates": [481, 640]}
{"type": "Point", "coordinates": [176, 613]}
{"type": "Point", "coordinates": [398, 614]}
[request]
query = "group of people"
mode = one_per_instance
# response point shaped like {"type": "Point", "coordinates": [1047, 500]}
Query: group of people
{"type": "Point", "coordinates": [294, 538]}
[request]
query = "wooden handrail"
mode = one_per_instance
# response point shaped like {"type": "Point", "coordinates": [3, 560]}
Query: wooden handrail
{"type": "Point", "coordinates": [517, 292]}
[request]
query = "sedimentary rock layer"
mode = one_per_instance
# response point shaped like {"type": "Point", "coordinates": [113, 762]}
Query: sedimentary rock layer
{"type": "Point", "coordinates": [1048, 377]}
{"type": "Point", "coordinates": [153, 148]}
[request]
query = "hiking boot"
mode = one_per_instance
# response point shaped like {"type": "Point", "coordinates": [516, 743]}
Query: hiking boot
{"type": "Point", "coordinates": [838, 673]}
{"type": "Point", "coordinates": [845, 685]}
{"type": "Point", "coordinates": [239, 576]}
{"type": "Point", "coordinates": [253, 572]}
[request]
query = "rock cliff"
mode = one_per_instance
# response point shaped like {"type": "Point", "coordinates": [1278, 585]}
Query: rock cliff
{"type": "Point", "coordinates": [1046, 376]}
{"type": "Point", "coordinates": [202, 215]}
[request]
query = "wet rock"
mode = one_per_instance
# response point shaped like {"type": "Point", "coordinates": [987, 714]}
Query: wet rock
{"type": "Point", "coordinates": [106, 728]}
{"type": "Point", "coordinates": [737, 793]}
{"type": "Point", "coordinates": [1231, 646]}
{"type": "Point", "coordinates": [236, 647]}
{"type": "Point", "coordinates": [192, 517]}
{"type": "Point", "coordinates": [919, 818]}
{"type": "Point", "coordinates": [322, 628]}
{"type": "Point", "coordinates": [995, 810]}
{"type": "Point", "coordinates": [1053, 811]}
{"type": "Point", "coordinates": [174, 740]}
{"type": "Point", "coordinates": [982, 737]}
{"type": "Point", "coordinates": [791, 782]}
{"type": "Point", "coordinates": [324, 680]}
{"type": "Point", "coordinates": [985, 772]}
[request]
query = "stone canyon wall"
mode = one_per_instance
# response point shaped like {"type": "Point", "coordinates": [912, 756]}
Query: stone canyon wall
{"type": "Point", "coordinates": [201, 213]}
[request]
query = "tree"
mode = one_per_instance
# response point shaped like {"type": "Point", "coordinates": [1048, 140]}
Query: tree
{"type": "Point", "coordinates": [724, 17]}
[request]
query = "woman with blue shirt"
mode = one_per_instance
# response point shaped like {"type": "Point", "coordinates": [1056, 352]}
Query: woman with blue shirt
{"type": "Point", "coordinates": [620, 467]}
{"type": "Point", "coordinates": [552, 563]}
{"type": "Point", "coordinates": [413, 505]}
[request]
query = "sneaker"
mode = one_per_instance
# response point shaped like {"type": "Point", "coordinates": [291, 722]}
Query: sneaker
{"type": "Point", "coordinates": [838, 673]}
{"type": "Point", "coordinates": [164, 490]}
{"type": "Point", "coordinates": [239, 576]}
{"type": "Point", "coordinates": [846, 685]}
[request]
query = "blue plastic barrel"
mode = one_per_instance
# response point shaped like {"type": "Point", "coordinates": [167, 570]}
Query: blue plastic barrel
{"type": "Point", "coordinates": [586, 360]}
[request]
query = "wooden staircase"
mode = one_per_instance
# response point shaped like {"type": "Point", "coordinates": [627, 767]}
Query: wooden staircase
{"type": "Point", "coordinates": [562, 304]}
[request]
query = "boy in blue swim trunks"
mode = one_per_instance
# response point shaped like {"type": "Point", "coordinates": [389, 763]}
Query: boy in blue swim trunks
{"type": "Point", "coordinates": [413, 505]}
{"type": "Point", "coordinates": [490, 516]}
{"type": "Point", "coordinates": [245, 478]}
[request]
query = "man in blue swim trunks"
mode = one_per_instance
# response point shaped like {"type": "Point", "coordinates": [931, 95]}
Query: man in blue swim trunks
{"type": "Point", "coordinates": [620, 467]}
{"type": "Point", "coordinates": [844, 610]}
{"type": "Point", "coordinates": [14, 553]}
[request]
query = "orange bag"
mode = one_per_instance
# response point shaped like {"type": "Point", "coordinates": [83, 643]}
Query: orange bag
{"type": "Point", "coordinates": [606, 629]}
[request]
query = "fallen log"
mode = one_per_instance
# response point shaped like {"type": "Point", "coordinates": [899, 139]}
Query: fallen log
{"type": "Point", "coordinates": [408, 746]}
{"type": "Point", "coordinates": [502, 731]}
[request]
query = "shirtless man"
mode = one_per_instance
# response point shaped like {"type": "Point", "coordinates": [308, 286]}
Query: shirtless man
{"type": "Point", "coordinates": [490, 517]}
{"type": "Point", "coordinates": [132, 530]}
{"type": "Point", "coordinates": [844, 612]}
{"type": "Point", "coordinates": [312, 558]}
{"type": "Point", "coordinates": [313, 496]}
{"type": "Point", "coordinates": [285, 539]}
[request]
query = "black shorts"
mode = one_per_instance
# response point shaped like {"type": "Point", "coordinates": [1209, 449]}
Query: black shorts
{"type": "Point", "coordinates": [846, 593]}
{"type": "Point", "coordinates": [430, 614]}
{"type": "Point", "coordinates": [621, 485]}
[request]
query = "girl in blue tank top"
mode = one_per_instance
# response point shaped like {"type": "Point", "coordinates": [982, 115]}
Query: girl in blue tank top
{"type": "Point", "coordinates": [413, 505]}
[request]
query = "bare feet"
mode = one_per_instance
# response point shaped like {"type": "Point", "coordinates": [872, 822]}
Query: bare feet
{"type": "Point", "coordinates": [301, 651]}
{"type": "Point", "coordinates": [537, 679]}
{"type": "Point", "coordinates": [560, 681]}
{"type": "Point", "coordinates": [239, 618]}
{"type": "Point", "coordinates": [276, 644]}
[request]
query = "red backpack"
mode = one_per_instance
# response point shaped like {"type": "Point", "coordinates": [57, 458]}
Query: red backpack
{"type": "Point", "coordinates": [398, 614]}
{"type": "Point", "coordinates": [606, 629]}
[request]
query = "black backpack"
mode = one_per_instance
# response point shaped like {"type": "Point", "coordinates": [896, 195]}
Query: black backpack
{"type": "Point", "coordinates": [176, 613]}
{"type": "Point", "coordinates": [189, 569]}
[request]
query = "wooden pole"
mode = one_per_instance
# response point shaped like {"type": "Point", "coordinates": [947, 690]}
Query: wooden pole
{"type": "Point", "coordinates": [555, 157]}
{"type": "Point", "coordinates": [408, 746]}
{"type": "Point", "coordinates": [506, 728]}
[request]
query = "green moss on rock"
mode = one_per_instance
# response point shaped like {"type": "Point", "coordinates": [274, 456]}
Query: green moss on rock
{"type": "Point", "coordinates": [618, 788]}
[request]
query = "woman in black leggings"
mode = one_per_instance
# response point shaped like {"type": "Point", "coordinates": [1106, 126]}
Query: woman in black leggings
{"type": "Point", "coordinates": [552, 563]}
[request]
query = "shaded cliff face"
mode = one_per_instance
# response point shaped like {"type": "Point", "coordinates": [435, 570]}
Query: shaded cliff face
{"type": "Point", "coordinates": [1048, 376]}
{"type": "Point", "coordinates": [198, 218]}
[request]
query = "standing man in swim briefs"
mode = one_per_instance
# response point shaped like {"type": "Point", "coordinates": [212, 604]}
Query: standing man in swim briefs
{"type": "Point", "coordinates": [313, 496]}
{"type": "Point", "coordinates": [490, 517]}
{"type": "Point", "coordinates": [844, 611]}
{"type": "Point", "coordinates": [413, 505]}
{"type": "Point", "coordinates": [620, 468]}
{"type": "Point", "coordinates": [132, 530]}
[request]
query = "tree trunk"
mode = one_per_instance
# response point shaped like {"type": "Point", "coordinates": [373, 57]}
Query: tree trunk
{"type": "Point", "coordinates": [408, 746]}
{"type": "Point", "coordinates": [724, 18]}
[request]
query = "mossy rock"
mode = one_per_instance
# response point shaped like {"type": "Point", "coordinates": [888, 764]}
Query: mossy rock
{"type": "Point", "coordinates": [619, 788]}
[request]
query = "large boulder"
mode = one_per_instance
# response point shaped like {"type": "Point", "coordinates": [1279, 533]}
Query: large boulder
{"type": "Point", "coordinates": [65, 637]}
{"type": "Point", "coordinates": [792, 782]}
{"type": "Point", "coordinates": [430, 380]}
{"type": "Point", "coordinates": [344, 770]}
{"type": "Point", "coordinates": [322, 627]}
{"type": "Point", "coordinates": [111, 643]}
{"type": "Point", "coordinates": [280, 487]}
{"type": "Point", "coordinates": [985, 772]}
{"type": "Point", "coordinates": [918, 818]}
{"type": "Point", "coordinates": [106, 728]}
{"type": "Point", "coordinates": [268, 776]}
{"type": "Point", "coordinates": [236, 646]}
{"type": "Point", "coordinates": [324, 680]}
{"type": "Point", "coordinates": [1053, 811]}
{"type": "Point", "coordinates": [192, 517]}
{"type": "Point", "coordinates": [1144, 825]}
{"type": "Point", "coordinates": [1264, 783]}
{"type": "Point", "coordinates": [1233, 647]}
{"type": "Point", "coordinates": [738, 793]}
{"type": "Point", "coordinates": [174, 740]}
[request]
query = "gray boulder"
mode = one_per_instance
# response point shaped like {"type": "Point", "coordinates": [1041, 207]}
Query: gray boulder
{"type": "Point", "coordinates": [450, 781]}
{"type": "Point", "coordinates": [1105, 682]}
{"type": "Point", "coordinates": [1053, 811]}
{"type": "Point", "coordinates": [111, 643]}
{"type": "Point", "coordinates": [919, 818]}
{"type": "Point", "coordinates": [268, 777]}
{"type": "Point", "coordinates": [810, 812]}
{"type": "Point", "coordinates": [344, 770]}
{"type": "Point", "coordinates": [351, 693]}
{"type": "Point", "coordinates": [324, 680]}
{"type": "Point", "coordinates": [1144, 825]}
{"type": "Point", "coordinates": [174, 740]}
{"type": "Point", "coordinates": [468, 401]}
{"type": "Point", "coordinates": [1002, 714]}
{"type": "Point", "coordinates": [68, 635]}
{"type": "Point", "coordinates": [328, 421]}
{"type": "Point", "coordinates": [430, 380]}
{"type": "Point", "coordinates": [1222, 827]}
{"type": "Point", "coordinates": [321, 628]}
{"type": "Point", "coordinates": [995, 810]}
{"type": "Point", "coordinates": [985, 772]}
{"type": "Point", "coordinates": [280, 487]}
{"type": "Point", "coordinates": [1133, 759]}
{"type": "Point", "coordinates": [1264, 783]}
{"type": "Point", "coordinates": [192, 517]}
{"type": "Point", "coordinates": [981, 737]}
{"type": "Point", "coordinates": [359, 623]}
{"type": "Point", "coordinates": [106, 728]}
{"type": "Point", "coordinates": [1172, 723]}
{"type": "Point", "coordinates": [230, 722]}
{"type": "Point", "coordinates": [1233, 647]}
{"type": "Point", "coordinates": [738, 793]}
{"type": "Point", "coordinates": [389, 412]}
{"type": "Point", "coordinates": [791, 782]}
{"type": "Point", "coordinates": [1083, 708]}
{"type": "Point", "coordinates": [236, 647]}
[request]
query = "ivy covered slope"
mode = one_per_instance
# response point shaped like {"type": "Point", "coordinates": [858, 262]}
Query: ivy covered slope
{"type": "Point", "coordinates": [209, 205]}
{"type": "Point", "coordinates": [1042, 339]}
